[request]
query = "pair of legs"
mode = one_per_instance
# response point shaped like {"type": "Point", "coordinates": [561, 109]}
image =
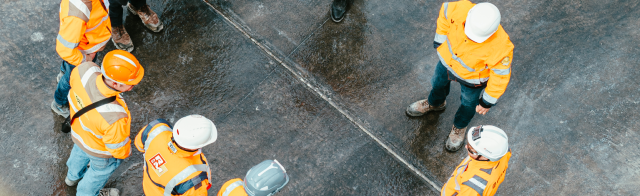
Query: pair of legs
{"type": "Point", "coordinates": [119, 35]}
{"type": "Point", "coordinates": [60, 103]}
{"type": "Point", "coordinates": [469, 97]}
{"type": "Point", "coordinates": [93, 178]}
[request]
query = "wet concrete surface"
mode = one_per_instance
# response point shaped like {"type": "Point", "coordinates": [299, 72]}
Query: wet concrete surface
{"type": "Point", "coordinates": [301, 97]}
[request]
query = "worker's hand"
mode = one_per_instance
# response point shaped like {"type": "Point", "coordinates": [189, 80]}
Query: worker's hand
{"type": "Point", "coordinates": [89, 57]}
{"type": "Point", "coordinates": [481, 110]}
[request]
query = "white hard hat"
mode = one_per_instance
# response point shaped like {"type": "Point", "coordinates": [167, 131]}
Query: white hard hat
{"type": "Point", "coordinates": [483, 20]}
{"type": "Point", "coordinates": [489, 141]}
{"type": "Point", "coordinates": [194, 132]}
{"type": "Point", "coordinates": [265, 179]}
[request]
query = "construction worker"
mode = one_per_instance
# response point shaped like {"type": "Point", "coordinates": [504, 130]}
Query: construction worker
{"type": "Point", "coordinates": [483, 170]}
{"type": "Point", "coordinates": [475, 51]}
{"type": "Point", "coordinates": [101, 135]}
{"type": "Point", "coordinates": [174, 163]}
{"type": "Point", "coordinates": [149, 18]}
{"type": "Point", "coordinates": [84, 31]}
{"type": "Point", "coordinates": [264, 179]}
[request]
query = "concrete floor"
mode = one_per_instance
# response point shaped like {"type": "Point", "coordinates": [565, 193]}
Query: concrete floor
{"type": "Point", "coordinates": [282, 81]}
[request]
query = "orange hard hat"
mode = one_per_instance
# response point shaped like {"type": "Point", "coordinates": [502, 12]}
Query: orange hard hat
{"type": "Point", "coordinates": [121, 66]}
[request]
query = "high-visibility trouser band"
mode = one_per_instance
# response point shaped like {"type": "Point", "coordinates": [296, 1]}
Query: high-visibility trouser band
{"type": "Point", "coordinates": [98, 25]}
{"type": "Point", "coordinates": [95, 48]}
{"type": "Point", "coordinates": [489, 98]}
{"type": "Point", "coordinates": [153, 135]}
{"type": "Point", "coordinates": [184, 174]}
{"type": "Point", "coordinates": [476, 183]}
{"type": "Point", "coordinates": [455, 57]}
{"type": "Point", "coordinates": [85, 146]}
{"type": "Point", "coordinates": [117, 145]}
{"type": "Point", "coordinates": [440, 38]}
{"type": "Point", "coordinates": [67, 44]}
{"type": "Point", "coordinates": [471, 82]}
{"type": "Point", "coordinates": [231, 187]}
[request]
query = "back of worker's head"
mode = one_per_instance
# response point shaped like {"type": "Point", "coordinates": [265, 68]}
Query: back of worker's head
{"type": "Point", "coordinates": [194, 132]}
{"type": "Point", "coordinates": [483, 20]}
{"type": "Point", "coordinates": [489, 141]}
{"type": "Point", "coordinates": [265, 179]}
{"type": "Point", "coordinates": [122, 67]}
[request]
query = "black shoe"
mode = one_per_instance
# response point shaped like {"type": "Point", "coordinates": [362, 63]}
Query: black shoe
{"type": "Point", "coordinates": [338, 10]}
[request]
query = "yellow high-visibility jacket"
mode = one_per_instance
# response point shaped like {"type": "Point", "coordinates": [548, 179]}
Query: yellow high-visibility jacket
{"type": "Point", "coordinates": [169, 170]}
{"type": "Point", "coordinates": [472, 177]}
{"type": "Point", "coordinates": [84, 28]}
{"type": "Point", "coordinates": [233, 187]}
{"type": "Point", "coordinates": [103, 131]}
{"type": "Point", "coordinates": [473, 64]}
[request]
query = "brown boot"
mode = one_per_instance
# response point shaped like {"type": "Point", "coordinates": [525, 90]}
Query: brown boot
{"type": "Point", "coordinates": [456, 137]}
{"type": "Point", "coordinates": [121, 38]}
{"type": "Point", "coordinates": [421, 107]}
{"type": "Point", "coordinates": [148, 17]}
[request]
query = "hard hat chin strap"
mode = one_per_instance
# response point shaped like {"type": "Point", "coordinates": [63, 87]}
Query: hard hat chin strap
{"type": "Point", "coordinates": [178, 145]}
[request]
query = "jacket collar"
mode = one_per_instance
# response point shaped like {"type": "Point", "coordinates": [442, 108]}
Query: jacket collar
{"type": "Point", "coordinates": [104, 89]}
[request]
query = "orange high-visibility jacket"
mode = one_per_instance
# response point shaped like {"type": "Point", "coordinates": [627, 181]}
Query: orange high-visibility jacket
{"type": "Point", "coordinates": [474, 177]}
{"type": "Point", "coordinates": [103, 131]}
{"type": "Point", "coordinates": [169, 170]}
{"type": "Point", "coordinates": [233, 187]}
{"type": "Point", "coordinates": [84, 28]}
{"type": "Point", "coordinates": [473, 64]}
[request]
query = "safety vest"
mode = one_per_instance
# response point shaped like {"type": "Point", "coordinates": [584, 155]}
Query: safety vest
{"type": "Point", "coordinates": [473, 64]}
{"type": "Point", "coordinates": [474, 177]}
{"type": "Point", "coordinates": [169, 170]}
{"type": "Point", "coordinates": [103, 131]}
{"type": "Point", "coordinates": [84, 28]}
{"type": "Point", "coordinates": [233, 187]}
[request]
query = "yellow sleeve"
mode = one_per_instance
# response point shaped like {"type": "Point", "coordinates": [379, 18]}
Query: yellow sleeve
{"type": "Point", "coordinates": [71, 31]}
{"type": "Point", "coordinates": [116, 139]}
{"type": "Point", "coordinates": [499, 77]}
{"type": "Point", "coordinates": [138, 140]}
{"type": "Point", "coordinates": [443, 23]}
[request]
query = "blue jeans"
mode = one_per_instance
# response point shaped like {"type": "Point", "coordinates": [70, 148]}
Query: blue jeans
{"type": "Point", "coordinates": [62, 91]}
{"type": "Point", "coordinates": [93, 178]}
{"type": "Point", "coordinates": [469, 97]}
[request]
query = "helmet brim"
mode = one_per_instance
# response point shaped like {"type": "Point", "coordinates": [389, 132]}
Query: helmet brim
{"type": "Point", "coordinates": [137, 79]}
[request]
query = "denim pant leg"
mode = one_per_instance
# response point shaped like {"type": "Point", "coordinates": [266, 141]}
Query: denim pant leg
{"type": "Point", "coordinates": [469, 99]}
{"type": "Point", "coordinates": [77, 163]}
{"type": "Point", "coordinates": [440, 86]}
{"type": "Point", "coordinates": [62, 91]}
{"type": "Point", "coordinates": [97, 175]}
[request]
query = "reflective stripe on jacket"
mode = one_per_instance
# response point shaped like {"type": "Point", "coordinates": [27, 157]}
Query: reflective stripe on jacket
{"type": "Point", "coordinates": [169, 170]}
{"type": "Point", "coordinates": [84, 28]}
{"type": "Point", "coordinates": [473, 64]}
{"type": "Point", "coordinates": [103, 131]}
{"type": "Point", "coordinates": [233, 187]}
{"type": "Point", "coordinates": [474, 177]}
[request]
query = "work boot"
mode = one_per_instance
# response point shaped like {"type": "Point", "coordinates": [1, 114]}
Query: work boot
{"type": "Point", "coordinates": [59, 76]}
{"type": "Point", "coordinates": [421, 107]}
{"type": "Point", "coordinates": [148, 17]}
{"type": "Point", "coordinates": [71, 182]}
{"type": "Point", "coordinates": [456, 137]}
{"type": "Point", "coordinates": [60, 109]}
{"type": "Point", "coordinates": [121, 38]}
{"type": "Point", "coordinates": [338, 10]}
{"type": "Point", "coordinates": [109, 192]}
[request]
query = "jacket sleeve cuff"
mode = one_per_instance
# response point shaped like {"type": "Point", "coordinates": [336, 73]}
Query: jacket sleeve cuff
{"type": "Point", "coordinates": [436, 44]}
{"type": "Point", "coordinates": [485, 104]}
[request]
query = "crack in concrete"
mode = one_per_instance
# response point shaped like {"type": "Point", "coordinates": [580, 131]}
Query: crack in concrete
{"type": "Point", "coordinates": [325, 97]}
